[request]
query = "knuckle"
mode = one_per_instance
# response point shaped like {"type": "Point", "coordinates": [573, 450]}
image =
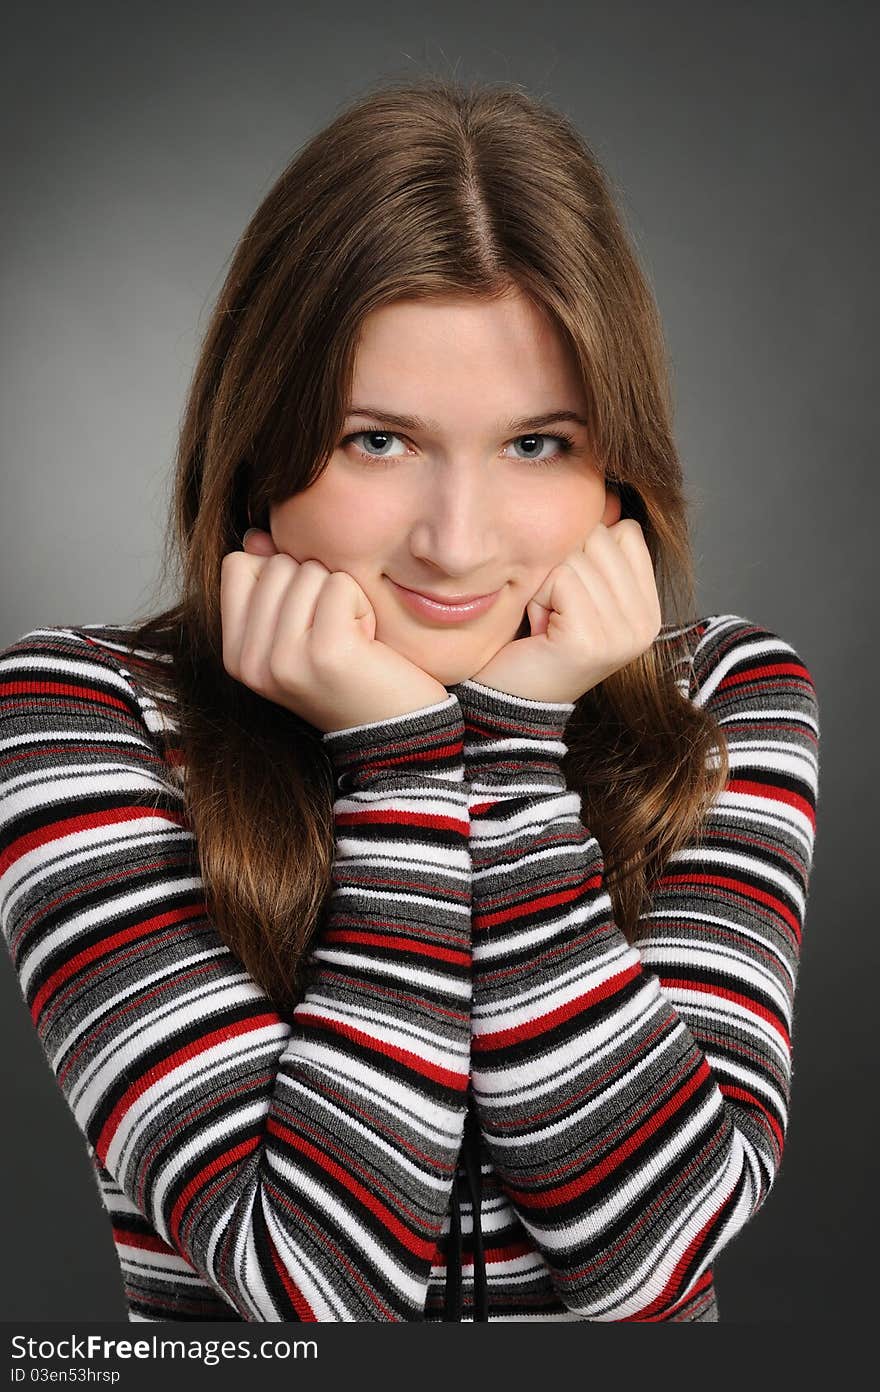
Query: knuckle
{"type": "Point", "coordinates": [280, 561]}
{"type": "Point", "coordinates": [228, 566]}
{"type": "Point", "coordinates": [250, 666]}
{"type": "Point", "coordinates": [281, 667]}
{"type": "Point", "coordinates": [328, 660]}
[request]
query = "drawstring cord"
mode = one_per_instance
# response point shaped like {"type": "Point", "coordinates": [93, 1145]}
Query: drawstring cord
{"type": "Point", "coordinates": [470, 1157]}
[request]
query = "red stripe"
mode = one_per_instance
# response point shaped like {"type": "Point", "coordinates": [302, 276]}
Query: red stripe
{"type": "Point", "coordinates": [446, 1076]}
{"type": "Point", "coordinates": [430, 755]}
{"type": "Point", "coordinates": [492, 1256]}
{"type": "Point", "coordinates": [713, 989]}
{"type": "Point", "coordinates": [740, 1094]}
{"type": "Point", "coordinates": [528, 1029]}
{"type": "Point", "coordinates": [224, 1161]}
{"type": "Point", "coordinates": [105, 947]}
{"type": "Point", "coordinates": [530, 906]}
{"type": "Point", "coordinates": [392, 817]}
{"type": "Point", "coordinates": [384, 940]}
{"type": "Point", "coordinates": [294, 1294]}
{"type": "Point", "coordinates": [659, 1307]}
{"type": "Point", "coordinates": [767, 669]}
{"type": "Point", "coordinates": [50, 688]}
{"type": "Point", "coordinates": [745, 890]}
{"type": "Point", "coordinates": [74, 826]}
{"type": "Point", "coordinates": [188, 1053]}
{"type": "Point", "coordinates": [658, 1310]}
{"type": "Point", "coordinates": [145, 1242]}
{"type": "Point", "coordinates": [509, 1252]}
{"type": "Point", "coordinates": [564, 1193]}
{"type": "Point", "coordinates": [323, 1237]}
{"type": "Point", "coordinates": [420, 1247]}
{"type": "Point", "coordinates": [773, 794]}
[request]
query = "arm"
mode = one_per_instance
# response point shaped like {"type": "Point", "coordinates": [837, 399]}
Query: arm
{"type": "Point", "coordinates": [635, 1100]}
{"type": "Point", "coordinates": [303, 1168]}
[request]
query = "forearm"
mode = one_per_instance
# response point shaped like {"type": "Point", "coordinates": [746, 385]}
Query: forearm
{"type": "Point", "coordinates": [630, 1154]}
{"type": "Point", "coordinates": [302, 1168]}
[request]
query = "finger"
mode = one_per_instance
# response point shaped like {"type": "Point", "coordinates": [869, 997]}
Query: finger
{"type": "Point", "coordinates": [578, 600]}
{"type": "Point", "coordinates": [258, 543]}
{"type": "Point", "coordinates": [342, 614]}
{"type": "Point", "coordinates": [279, 574]}
{"type": "Point", "coordinates": [612, 552]}
{"type": "Point", "coordinates": [239, 574]}
{"type": "Point", "coordinates": [596, 586]}
{"type": "Point", "coordinates": [631, 541]}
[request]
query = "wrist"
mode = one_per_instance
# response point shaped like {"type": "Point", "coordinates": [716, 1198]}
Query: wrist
{"type": "Point", "coordinates": [402, 750]}
{"type": "Point", "coordinates": [504, 734]}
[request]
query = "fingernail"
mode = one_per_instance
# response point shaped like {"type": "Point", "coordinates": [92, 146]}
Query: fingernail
{"type": "Point", "coordinates": [247, 534]}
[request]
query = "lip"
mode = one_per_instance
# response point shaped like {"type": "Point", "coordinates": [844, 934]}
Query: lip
{"type": "Point", "coordinates": [445, 611]}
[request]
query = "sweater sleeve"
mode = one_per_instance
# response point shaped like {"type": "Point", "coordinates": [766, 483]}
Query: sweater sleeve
{"type": "Point", "coordinates": [303, 1166]}
{"type": "Point", "coordinates": [634, 1099]}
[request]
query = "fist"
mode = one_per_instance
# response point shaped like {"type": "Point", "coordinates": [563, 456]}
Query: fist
{"type": "Point", "coordinates": [305, 637]}
{"type": "Point", "coordinates": [595, 612]}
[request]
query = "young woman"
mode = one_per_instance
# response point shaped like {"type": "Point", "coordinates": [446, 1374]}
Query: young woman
{"type": "Point", "coordinates": [401, 954]}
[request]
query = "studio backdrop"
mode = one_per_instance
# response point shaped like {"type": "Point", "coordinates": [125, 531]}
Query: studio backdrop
{"type": "Point", "coordinates": [741, 143]}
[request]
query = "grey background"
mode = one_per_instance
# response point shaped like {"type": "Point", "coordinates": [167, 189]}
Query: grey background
{"type": "Point", "coordinates": [743, 144]}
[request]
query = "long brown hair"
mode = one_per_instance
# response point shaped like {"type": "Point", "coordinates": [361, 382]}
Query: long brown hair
{"type": "Point", "coordinates": [418, 189]}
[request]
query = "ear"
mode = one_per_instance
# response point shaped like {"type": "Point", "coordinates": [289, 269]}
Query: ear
{"type": "Point", "coordinates": [613, 507]}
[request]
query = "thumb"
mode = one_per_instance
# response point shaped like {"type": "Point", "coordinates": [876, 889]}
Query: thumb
{"type": "Point", "coordinates": [339, 607]}
{"type": "Point", "coordinates": [258, 543]}
{"type": "Point", "coordinates": [539, 618]}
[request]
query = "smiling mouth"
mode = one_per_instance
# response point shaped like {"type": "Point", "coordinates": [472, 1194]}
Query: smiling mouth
{"type": "Point", "coordinates": [447, 600]}
{"type": "Point", "coordinates": [431, 609]}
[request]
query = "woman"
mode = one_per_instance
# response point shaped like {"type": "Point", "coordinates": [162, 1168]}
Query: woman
{"type": "Point", "coordinates": [400, 960]}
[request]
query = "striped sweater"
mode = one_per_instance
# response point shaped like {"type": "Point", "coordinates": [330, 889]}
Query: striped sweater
{"type": "Point", "coordinates": [630, 1103]}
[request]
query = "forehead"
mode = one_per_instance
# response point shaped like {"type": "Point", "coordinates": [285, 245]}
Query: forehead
{"type": "Point", "coordinates": [506, 354]}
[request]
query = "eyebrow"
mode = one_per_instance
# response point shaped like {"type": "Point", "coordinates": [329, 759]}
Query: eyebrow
{"type": "Point", "coordinates": [417, 423]}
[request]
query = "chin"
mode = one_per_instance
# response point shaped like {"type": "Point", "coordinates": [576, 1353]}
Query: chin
{"type": "Point", "coordinates": [448, 669]}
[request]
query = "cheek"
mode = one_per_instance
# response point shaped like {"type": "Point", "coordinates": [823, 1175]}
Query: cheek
{"type": "Point", "coordinates": [340, 528]}
{"type": "Point", "coordinates": [574, 512]}
{"type": "Point", "coordinates": [545, 534]}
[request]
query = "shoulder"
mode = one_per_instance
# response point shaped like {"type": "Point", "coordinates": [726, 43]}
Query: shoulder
{"type": "Point", "coordinates": [733, 658]}
{"type": "Point", "coordinates": [97, 656]}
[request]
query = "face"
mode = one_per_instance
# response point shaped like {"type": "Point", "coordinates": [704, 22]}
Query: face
{"type": "Point", "coordinates": [479, 495]}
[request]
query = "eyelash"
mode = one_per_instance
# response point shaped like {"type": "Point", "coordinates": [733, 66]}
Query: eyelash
{"type": "Point", "coordinates": [566, 443]}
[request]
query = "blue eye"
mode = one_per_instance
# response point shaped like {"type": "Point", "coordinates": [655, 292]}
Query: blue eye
{"type": "Point", "coordinates": [565, 444]}
{"type": "Point", "coordinates": [362, 434]}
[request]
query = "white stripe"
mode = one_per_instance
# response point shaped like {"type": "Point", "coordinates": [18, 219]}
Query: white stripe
{"type": "Point", "coordinates": [442, 1052]}
{"type": "Point", "coordinates": [437, 1123]}
{"type": "Point", "coordinates": [515, 1084]}
{"type": "Point", "coordinates": [487, 948]}
{"type": "Point", "coordinates": [747, 649]}
{"type": "Point", "coordinates": [340, 1219]}
{"type": "Point", "coordinates": [415, 976]}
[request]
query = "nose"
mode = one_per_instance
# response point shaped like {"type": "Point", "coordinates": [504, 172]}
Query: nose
{"type": "Point", "coordinates": [455, 526]}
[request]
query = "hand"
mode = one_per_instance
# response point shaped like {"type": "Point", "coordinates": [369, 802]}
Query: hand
{"type": "Point", "coordinates": [304, 637]}
{"type": "Point", "coordinates": [595, 612]}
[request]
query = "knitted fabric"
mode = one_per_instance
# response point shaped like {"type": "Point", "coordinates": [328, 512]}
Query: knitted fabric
{"type": "Point", "coordinates": [628, 1104]}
